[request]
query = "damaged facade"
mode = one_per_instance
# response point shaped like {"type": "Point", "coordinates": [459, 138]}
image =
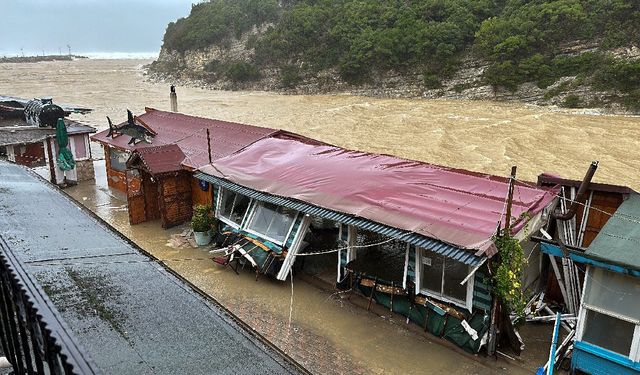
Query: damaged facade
{"type": "Point", "coordinates": [28, 141]}
{"type": "Point", "coordinates": [601, 244]}
{"type": "Point", "coordinates": [413, 237]}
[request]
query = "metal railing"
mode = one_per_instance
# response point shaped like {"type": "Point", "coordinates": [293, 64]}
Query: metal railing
{"type": "Point", "coordinates": [33, 335]}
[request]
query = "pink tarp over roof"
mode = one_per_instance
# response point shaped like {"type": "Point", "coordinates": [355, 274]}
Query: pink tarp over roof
{"type": "Point", "coordinates": [458, 207]}
{"type": "Point", "coordinates": [190, 134]}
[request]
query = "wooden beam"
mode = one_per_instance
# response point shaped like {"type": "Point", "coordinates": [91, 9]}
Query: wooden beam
{"type": "Point", "coordinates": [512, 179]}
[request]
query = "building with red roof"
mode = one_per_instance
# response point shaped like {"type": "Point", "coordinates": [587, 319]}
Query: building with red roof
{"type": "Point", "coordinates": [381, 224]}
{"type": "Point", "coordinates": [158, 179]}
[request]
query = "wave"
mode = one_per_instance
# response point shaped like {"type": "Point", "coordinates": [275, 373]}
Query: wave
{"type": "Point", "coordinates": [119, 55]}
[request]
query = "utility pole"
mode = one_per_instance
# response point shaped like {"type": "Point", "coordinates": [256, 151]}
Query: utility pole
{"type": "Point", "coordinates": [69, 49]}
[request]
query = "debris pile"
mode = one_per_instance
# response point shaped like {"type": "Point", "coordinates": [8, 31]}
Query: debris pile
{"type": "Point", "coordinates": [183, 240]}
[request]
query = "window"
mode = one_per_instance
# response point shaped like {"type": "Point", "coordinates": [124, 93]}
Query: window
{"type": "Point", "coordinates": [118, 159]}
{"type": "Point", "coordinates": [271, 221]}
{"type": "Point", "coordinates": [441, 276]}
{"type": "Point", "coordinates": [608, 332]}
{"type": "Point", "coordinates": [610, 316]}
{"type": "Point", "coordinates": [233, 207]}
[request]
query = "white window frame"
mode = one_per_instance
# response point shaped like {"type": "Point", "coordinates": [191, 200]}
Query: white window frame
{"type": "Point", "coordinates": [262, 235]}
{"type": "Point", "coordinates": [226, 220]}
{"type": "Point", "coordinates": [467, 304]}
{"type": "Point", "coordinates": [634, 349]}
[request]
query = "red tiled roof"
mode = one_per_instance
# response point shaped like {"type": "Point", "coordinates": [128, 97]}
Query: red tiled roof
{"type": "Point", "coordinates": [159, 159]}
{"type": "Point", "coordinates": [190, 134]}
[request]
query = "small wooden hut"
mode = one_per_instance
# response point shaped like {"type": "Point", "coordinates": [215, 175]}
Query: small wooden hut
{"type": "Point", "coordinates": [158, 176]}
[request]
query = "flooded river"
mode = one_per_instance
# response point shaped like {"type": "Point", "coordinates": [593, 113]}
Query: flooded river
{"type": "Point", "coordinates": [481, 136]}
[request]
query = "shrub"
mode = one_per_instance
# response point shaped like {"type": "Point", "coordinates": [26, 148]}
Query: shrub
{"type": "Point", "coordinates": [572, 101]}
{"type": "Point", "coordinates": [242, 72]}
{"type": "Point", "coordinates": [202, 219]}
{"type": "Point", "coordinates": [290, 76]}
{"type": "Point", "coordinates": [213, 66]}
{"type": "Point", "coordinates": [431, 81]}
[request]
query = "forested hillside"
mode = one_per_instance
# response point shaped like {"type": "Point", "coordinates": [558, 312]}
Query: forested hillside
{"type": "Point", "coordinates": [430, 44]}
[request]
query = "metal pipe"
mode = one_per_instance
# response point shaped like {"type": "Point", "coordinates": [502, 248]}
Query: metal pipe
{"type": "Point", "coordinates": [174, 99]}
{"type": "Point", "coordinates": [583, 189]}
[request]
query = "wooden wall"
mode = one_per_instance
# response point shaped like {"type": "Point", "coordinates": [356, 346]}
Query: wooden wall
{"type": "Point", "coordinates": [115, 179]}
{"type": "Point", "coordinates": [604, 201]}
{"type": "Point", "coordinates": [198, 195]}
{"type": "Point", "coordinates": [33, 155]}
{"type": "Point", "coordinates": [175, 199]}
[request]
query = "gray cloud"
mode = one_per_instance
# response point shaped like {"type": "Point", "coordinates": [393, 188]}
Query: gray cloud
{"type": "Point", "coordinates": [87, 25]}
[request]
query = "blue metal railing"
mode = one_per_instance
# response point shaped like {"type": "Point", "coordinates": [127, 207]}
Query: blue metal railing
{"type": "Point", "coordinates": [33, 336]}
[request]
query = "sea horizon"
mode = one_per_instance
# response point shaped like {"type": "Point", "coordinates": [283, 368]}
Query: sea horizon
{"type": "Point", "coordinates": [116, 55]}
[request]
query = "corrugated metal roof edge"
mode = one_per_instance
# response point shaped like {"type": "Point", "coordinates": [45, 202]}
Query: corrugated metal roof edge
{"type": "Point", "coordinates": [448, 250]}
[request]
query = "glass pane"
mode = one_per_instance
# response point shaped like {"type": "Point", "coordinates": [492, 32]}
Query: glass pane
{"type": "Point", "coordinates": [261, 220]}
{"type": "Point", "coordinates": [608, 332]}
{"type": "Point", "coordinates": [454, 273]}
{"type": "Point", "coordinates": [118, 159]}
{"type": "Point", "coordinates": [227, 203]}
{"type": "Point", "coordinates": [240, 206]}
{"type": "Point", "coordinates": [614, 292]}
{"type": "Point", "coordinates": [432, 271]}
{"type": "Point", "coordinates": [233, 206]}
{"type": "Point", "coordinates": [282, 220]}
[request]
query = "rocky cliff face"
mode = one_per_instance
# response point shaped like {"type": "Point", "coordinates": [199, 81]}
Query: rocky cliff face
{"type": "Point", "coordinates": [195, 68]}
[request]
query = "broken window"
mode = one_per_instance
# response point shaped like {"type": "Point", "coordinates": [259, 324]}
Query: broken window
{"type": "Point", "coordinates": [118, 159]}
{"type": "Point", "coordinates": [380, 256]}
{"type": "Point", "coordinates": [233, 207]}
{"type": "Point", "coordinates": [610, 315]}
{"type": "Point", "coordinates": [440, 277]}
{"type": "Point", "coordinates": [271, 221]}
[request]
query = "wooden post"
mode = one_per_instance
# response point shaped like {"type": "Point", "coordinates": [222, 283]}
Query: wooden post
{"type": "Point", "coordinates": [209, 146]}
{"type": "Point", "coordinates": [52, 167]}
{"type": "Point", "coordinates": [495, 304]}
{"type": "Point", "coordinates": [507, 220]}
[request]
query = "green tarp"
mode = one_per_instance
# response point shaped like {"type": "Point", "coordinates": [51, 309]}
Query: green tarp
{"type": "Point", "coordinates": [433, 319]}
{"type": "Point", "coordinates": [65, 158]}
{"type": "Point", "coordinates": [619, 240]}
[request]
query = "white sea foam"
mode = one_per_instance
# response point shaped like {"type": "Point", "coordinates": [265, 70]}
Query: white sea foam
{"type": "Point", "coordinates": [118, 55]}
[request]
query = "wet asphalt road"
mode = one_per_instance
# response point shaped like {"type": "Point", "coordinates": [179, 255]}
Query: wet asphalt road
{"type": "Point", "coordinates": [131, 315]}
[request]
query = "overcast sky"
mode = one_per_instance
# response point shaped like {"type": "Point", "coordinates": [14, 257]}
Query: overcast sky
{"type": "Point", "coordinates": [87, 25]}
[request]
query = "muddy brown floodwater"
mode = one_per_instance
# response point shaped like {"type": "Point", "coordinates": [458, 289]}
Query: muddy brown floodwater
{"type": "Point", "coordinates": [329, 335]}
{"type": "Point", "coordinates": [482, 136]}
